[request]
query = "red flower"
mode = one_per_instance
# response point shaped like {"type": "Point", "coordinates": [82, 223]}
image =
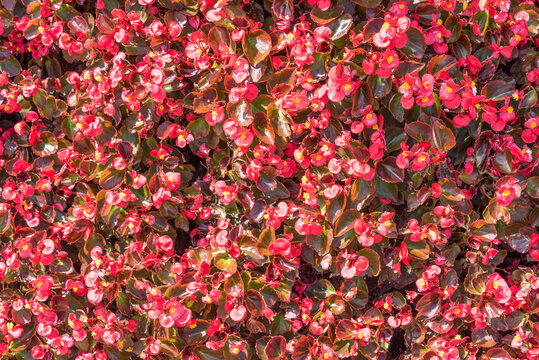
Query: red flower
{"type": "Point", "coordinates": [164, 243]}
{"type": "Point", "coordinates": [421, 160]}
{"type": "Point", "coordinates": [172, 180]}
{"type": "Point", "coordinates": [340, 83]}
{"type": "Point", "coordinates": [499, 288]}
{"type": "Point", "coordinates": [243, 138]}
{"type": "Point", "coordinates": [226, 193]}
{"type": "Point", "coordinates": [63, 344]}
{"type": "Point", "coordinates": [507, 190]}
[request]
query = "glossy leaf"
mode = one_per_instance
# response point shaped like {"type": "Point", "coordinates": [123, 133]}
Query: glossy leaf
{"type": "Point", "coordinates": [429, 305]}
{"type": "Point", "coordinates": [256, 45]}
{"type": "Point", "coordinates": [388, 171]}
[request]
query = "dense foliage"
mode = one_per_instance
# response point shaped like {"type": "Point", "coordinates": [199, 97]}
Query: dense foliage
{"type": "Point", "coordinates": [283, 179]}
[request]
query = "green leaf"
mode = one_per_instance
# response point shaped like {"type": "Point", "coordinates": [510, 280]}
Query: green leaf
{"type": "Point", "coordinates": [266, 180]}
{"type": "Point", "coordinates": [111, 178]}
{"type": "Point", "coordinates": [374, 260]}
{"type": "Point", "coordinates": [205, 353]}
{"type": "Point", "coordinates": [11, 65]}
{"type": "Point", "coordinates": [204, 100]}
{"type": "Point", "coordinates": [302, 348]}
{"type": "Point", "coordinates": [335, 207]}
{"type": "Point", "coordinates": [263, 129]}
{"type": "Point", "coordinates": [416, 45]}
{"type": "Point", "coordinates": [388, 170]}
{"type": "Point", "coordinates": [368, 3]}
{"type": "Point", "coordinates": [345, 222]}
{"type": "Point", "coordinates": [266, 238]}
{"type": "Point", "coordinates": [199, 128]}
{"type": "Point", "coordinates": [498, 354]}
{"type": "Point", "coordinates": [256, 46]}
{"type": "Point", "coordinates": [283, 9]}
{"type": "Point", "coordinates": [362, 189]}
{"type": "Point", "coordinates": [429, 305]}
{"type": "Point", "coordinates": [443, 137]}
{"type": "Point", "coordinates": [452, 24]}
{"type": "Point", "coordinates": [225, 262]}
{"type": "Point", "coordinates": [420, 131]}
{"type": "Point", "coordinates": [255, 303]}
{"type": "Point", "coordinates": [275, 348]}
{"type": "Point", "coordinates": [380, 86]}
{"type": "Point", "coordinates": [483, 230]}
{"type": "Point", "coordinates": [46, 145]}
{"type": "Point", "coordinates": [345, 330]}
{"type": "Point", "coordinates": [497, 90]}
{"type": "Point", "coordinates": [340, 27]}
{"type": "Point", "coordinates": [503, 161]}
{"type": "Point", "coordinates": [322, 17]}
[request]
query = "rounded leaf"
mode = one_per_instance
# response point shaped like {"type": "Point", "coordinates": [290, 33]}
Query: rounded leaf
{"type": "Point", "coordinates": [388, 171]}
{"type": "Point", "coordinates": [256, 46]}
{"type": "Point", "coordinates": [345, 222]}
{"type": "Point", "coordinates": [429, 305]}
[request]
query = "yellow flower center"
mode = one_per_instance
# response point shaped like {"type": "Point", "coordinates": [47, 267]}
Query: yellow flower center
{"type": "Point", "coordinates": [386, 25]}
{"type": "Point", "coordinates": [510, 110]}
{"type": "Point", "coordinates": [506, 193]}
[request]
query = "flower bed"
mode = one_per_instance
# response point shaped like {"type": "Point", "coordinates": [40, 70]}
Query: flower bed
{"type": "Point", "coordinates": [269, 179]}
